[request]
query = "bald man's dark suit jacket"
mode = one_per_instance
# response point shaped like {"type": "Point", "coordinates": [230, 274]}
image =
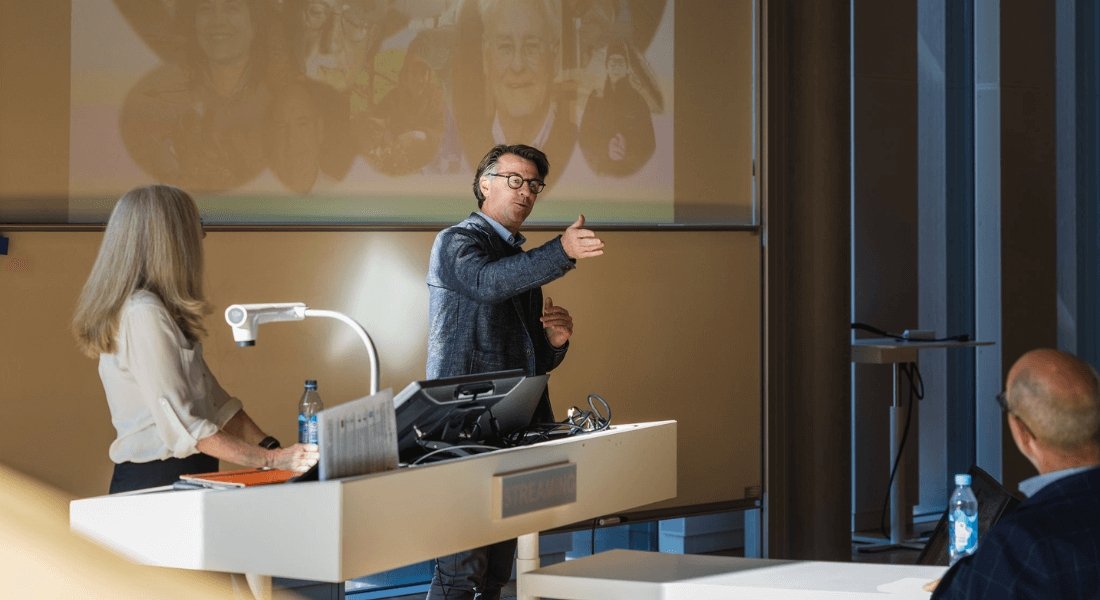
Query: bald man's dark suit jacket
{"type": "Point", "coordinates": [1049, 548]}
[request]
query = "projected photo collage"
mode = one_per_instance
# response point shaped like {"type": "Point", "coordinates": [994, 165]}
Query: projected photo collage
{"type": "Point", "coordinates": [361, 110]}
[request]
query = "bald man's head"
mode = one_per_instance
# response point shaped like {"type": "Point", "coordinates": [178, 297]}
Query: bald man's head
{"type": "Point", "coordinates": [1057, 396]}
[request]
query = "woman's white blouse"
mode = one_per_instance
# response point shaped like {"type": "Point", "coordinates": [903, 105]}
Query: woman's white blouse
{"type": "Point", "coordinates": [163, 398]}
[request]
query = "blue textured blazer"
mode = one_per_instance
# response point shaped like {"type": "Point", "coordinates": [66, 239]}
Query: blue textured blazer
{"type": "Point", "coordinates": [485, 301]}
{"type": "Point", "coordinates": [1049, 547]}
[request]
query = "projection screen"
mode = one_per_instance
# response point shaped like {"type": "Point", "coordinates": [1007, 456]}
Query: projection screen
{"type": "Point", "coordinates": [378, 111]}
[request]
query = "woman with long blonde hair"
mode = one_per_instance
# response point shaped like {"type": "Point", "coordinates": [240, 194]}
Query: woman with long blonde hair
{"type": "Point", "coordinates": [141, 314]}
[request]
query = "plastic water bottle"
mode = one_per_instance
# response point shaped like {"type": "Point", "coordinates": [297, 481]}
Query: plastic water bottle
{"type": "Point", "coordinates": [963, 516]}
{"type": "Point", "coordinates": [307, 413]}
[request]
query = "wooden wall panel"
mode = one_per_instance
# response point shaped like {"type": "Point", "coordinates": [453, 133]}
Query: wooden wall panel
{"type": "Point", "coordinates": [667, 327]}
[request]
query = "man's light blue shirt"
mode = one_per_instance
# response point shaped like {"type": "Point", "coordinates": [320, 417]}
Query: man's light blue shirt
{"type": "Point", "coordinates": [514, 241]}
{"type": "Point", "coordinates": [1032, 485]}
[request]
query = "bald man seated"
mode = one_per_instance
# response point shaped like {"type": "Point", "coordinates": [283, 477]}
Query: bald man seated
{"type": "Point", "coordinates": [1049, 547]}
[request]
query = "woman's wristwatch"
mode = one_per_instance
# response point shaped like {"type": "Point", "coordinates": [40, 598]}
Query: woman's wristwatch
{"type": "Point", "coordinates": [269, 443]}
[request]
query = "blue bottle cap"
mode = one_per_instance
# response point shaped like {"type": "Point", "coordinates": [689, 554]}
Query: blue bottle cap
{"type": "Point", "coordinates": [962, 479]}
{"type": "Point", "coordinates": [311, 383]}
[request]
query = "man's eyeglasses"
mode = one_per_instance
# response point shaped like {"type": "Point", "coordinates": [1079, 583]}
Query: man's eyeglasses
{"type": "Point", "coordinates": [505, 49]}
{"type": "Point", "coordinates": [515, 182]}
{"type": "Point", "coordinates": [356, 18]}
{"type": "Point", "coordinates": [1002, 399]}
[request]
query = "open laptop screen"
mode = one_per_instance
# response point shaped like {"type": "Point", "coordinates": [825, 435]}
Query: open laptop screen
{"type": "Point", "coordinates": [458, 409]}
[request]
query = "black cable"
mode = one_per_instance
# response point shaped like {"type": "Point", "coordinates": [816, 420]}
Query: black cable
{"type": "Point", "coordinates": [604, 422]}
{"type": "Point", "coordinates": [572, 425]}
{"type": "Point", "coordinates": [912, 373]}
{"type": "Point", "coordinates": [594, 522]}
{"type": "Point", "coordinates": [539, 432]}
{"type": "Point", "coordinates": [876, 331]}
{"type": "Point", "coordinates": [590, 420]}
{"type": "Point", "coordinates": [452, 449]}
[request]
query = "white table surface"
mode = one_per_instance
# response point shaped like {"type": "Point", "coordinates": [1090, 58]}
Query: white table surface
{"type": "Point", "coordinates": [633, 575]}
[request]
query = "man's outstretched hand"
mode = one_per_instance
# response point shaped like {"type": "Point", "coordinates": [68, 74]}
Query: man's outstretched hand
{"type": "Point", "coordinates": [579, 242]}
{"type": "Point", "coordinates": [557, 323]}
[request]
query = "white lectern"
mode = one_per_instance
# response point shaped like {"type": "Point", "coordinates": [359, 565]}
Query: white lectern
{"type": "Point", "coordinates": [362, 525]}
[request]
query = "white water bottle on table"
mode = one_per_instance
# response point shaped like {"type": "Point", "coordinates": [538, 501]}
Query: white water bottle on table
{"type": "Point", "coordinates": [307, 413]}
{"type": "Point", "coordinates": [963, 516]}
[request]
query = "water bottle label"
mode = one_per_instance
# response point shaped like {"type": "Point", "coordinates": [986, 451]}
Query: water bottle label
{"type": "Point", "coordinates": [962, 536]}
{"type": "Point", "coordinates": [307, 429]}
{"type": "Point", "coordinates": [313, 429]}
{"type": "Point", "coordinates": [964, 530]}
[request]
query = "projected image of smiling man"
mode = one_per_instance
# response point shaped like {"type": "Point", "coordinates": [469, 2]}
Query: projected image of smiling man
{"type": "Point", "coordinates": [520, 56]}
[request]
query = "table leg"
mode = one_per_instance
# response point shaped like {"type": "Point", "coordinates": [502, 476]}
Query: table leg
{"type": "Point", "coordinates": [260, 586]}
{"type": "Point", "coordinates": [897, 488]}
{"type": "Point", "coordinates": [527, 559]}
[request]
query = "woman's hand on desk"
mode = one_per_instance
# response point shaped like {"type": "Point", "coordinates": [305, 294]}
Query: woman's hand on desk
{"type": "Point", "coordinates": [298, 458]}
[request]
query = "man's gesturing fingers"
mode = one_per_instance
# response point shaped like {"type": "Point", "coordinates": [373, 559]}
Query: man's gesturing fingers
{"type": "Point", "coordinates": [556, 316]}
{"type": "Point", "coordinates": [581, 243]}
{"type": "Point", "coordinates": [557, 323]}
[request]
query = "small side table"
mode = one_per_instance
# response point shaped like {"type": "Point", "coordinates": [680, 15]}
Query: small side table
{"type": "Point", "coordinates": [881, 351]}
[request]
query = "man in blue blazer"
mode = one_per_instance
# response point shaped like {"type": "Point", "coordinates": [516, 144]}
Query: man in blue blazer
{"type": "Point", "coordinates": [486, 313]}
{"type": "Point", "coordinates": [1049, 547]}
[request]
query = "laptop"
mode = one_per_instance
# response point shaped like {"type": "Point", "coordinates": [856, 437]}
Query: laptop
{"type": "Point", "coordinates": [517, 408]}
{"type": "Point", "coordinates": [445, 411]}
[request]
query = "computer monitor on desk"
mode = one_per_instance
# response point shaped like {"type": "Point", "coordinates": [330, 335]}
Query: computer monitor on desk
{"type": "Point", "coordinates": [469, 409]}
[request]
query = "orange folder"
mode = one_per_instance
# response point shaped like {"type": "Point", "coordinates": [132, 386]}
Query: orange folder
{"type": "Point", "coordinates": [241, 478]}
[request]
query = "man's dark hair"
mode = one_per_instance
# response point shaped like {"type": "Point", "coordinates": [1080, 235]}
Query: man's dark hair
{"type": "Point", "coordinates": [492, 159]}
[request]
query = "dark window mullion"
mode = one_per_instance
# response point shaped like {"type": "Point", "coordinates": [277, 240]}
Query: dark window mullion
{"type": "Point", "coordinates": [960, 251]}
{"type": "Point", "coordinates": [1088, 178]}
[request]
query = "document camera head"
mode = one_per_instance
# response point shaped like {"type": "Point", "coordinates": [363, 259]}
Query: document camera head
{"type": "Point", "coordinates": [246, 318]}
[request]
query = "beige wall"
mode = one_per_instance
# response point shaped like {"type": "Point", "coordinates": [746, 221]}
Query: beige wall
{"type": "Point", "coordinates": [667, 327]}
{"type": "Point", "coordinates": [34, 110]}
